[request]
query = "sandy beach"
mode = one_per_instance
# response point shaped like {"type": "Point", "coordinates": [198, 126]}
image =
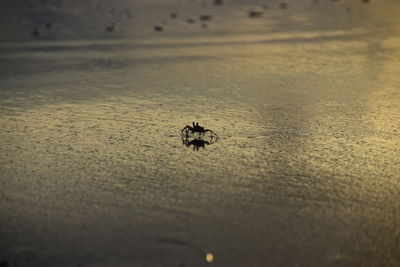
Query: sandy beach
{"type": "Point", "coordinates": [304, 97]}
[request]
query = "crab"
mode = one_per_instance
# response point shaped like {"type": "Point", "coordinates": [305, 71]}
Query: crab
{"type": "Point", "coordinates": [196, 129]}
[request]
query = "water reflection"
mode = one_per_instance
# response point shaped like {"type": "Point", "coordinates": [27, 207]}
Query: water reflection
{"type": "Point", "coordinates": [209, 257]}
{"type": "Point", "coordinates": [198, 141]}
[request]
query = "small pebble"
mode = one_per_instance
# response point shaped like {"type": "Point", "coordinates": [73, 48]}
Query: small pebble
{"type": "Point", "coordinates": [283, 5]}
{"type": "Point", "coordinates": [158, 28]}
{"type": "Point", "coordinates": [35, 32]}
{"type": "Point", "coordinates": [255, 14]}
{"type": "Point", "coordinates": [109, 28]}
{"type": "Point", "coordinates": [205, 17]}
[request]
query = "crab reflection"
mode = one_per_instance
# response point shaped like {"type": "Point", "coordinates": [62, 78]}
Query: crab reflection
{"type": "Point", "coordinates": [198, 141]}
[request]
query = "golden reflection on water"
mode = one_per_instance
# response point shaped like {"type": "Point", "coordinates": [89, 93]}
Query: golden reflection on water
{"type": "Point", "coordinates": [209, 257]}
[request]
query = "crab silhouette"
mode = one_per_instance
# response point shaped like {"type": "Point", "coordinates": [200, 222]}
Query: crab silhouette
{"type": "Point", "coordinates": [196, 128]}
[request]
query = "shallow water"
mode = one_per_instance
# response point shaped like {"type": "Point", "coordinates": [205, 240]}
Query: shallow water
{"type": "Point", "coordinates": [305, 171]}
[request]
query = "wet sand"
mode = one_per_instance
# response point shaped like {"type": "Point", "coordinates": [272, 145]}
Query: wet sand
{"type": "Point", "coordinates": [93, 170]}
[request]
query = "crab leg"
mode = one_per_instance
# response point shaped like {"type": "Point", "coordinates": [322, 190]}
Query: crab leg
{"type": "Point", "coordinates": [186, 129]}
{"type": "Point", "coordinates": [208, 130]}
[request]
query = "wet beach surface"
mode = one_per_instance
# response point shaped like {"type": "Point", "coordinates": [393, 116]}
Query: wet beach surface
{"type": "Point", "coordinates": [305, 99]}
